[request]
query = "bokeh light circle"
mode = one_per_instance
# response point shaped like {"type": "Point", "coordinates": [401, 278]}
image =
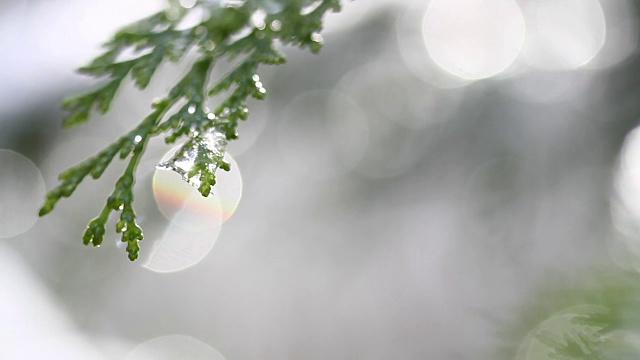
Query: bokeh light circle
{"type": "Point", "coordinates": [538, 86]}
{"type": "Point", "coordinates": [180, 248]}
{"type": "Point", "coordinates": [398, 95]}
{"type": "Point", "coordinates": [182, 204]}
{"type": "Point", "coordinates": [625, 209]}
{"type": "Point", "coordinates": [621, 34]}
{"type": "Point", "coordinates": [628, 177]}
{"type": "Point", "coordinates": [473, 39]}
{"type": "Point", "coordinates": [174, 347]}
{"type": "Point", "coordinates": [563, 35]}
{"type": "Point", "coordinates": [414, 51]}
{"type": "Point", "coordinates": [194, 222]}
{"type": "Point", "coordinates": [21, 193]}
{"type": "Point", "coordinates": [322, 133]}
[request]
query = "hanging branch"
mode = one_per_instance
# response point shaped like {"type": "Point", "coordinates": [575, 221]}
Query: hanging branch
{"type": "Point", "coordinates": [205, 133]}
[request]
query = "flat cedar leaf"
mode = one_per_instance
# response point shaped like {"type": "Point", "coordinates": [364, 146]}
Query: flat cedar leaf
{"type": "Point", "coordinates": [100, 66]}
{"type": "Point", "coordinates": [78, 115]}
{"type": "Point", "coordinates": [106, 95]}
{"type": "Point", "coordinates": [225, 32]}
{"type": "Point", "coordinates": [145, 67]}
{"type": "Point", "coordinates": [143, 26]}
{"type": "Point", "coordinates": [271, 56]}
{"type": "Point", "coordinates": [180, 43]}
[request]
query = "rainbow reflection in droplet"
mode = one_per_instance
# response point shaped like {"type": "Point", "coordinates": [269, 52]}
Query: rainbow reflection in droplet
{"type": "Point", "coordinates": [173, 195]}
{"type": "Point", "coordinates": [194, 221]}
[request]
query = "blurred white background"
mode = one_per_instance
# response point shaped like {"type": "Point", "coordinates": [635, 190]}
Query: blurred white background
{"type": "Point", "coordinates": [401, 195]}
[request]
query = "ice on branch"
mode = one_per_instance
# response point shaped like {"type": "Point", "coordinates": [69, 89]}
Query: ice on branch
{"type": "Point", "coordinates": [197, 161]}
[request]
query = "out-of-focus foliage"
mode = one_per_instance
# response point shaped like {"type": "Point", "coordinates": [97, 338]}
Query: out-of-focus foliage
{"type": "Point", "coordinates": [596, 319]}
{"type": "Point", "coordinates": [249, 31]}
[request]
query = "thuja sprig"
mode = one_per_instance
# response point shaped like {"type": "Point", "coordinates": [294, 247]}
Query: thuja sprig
{"type": "Point", "coordinates": [245, 30]}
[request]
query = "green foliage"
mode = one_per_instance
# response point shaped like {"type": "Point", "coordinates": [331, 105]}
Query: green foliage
{"type": "Point", "coordinates": [227, 32]}
{"type": "Point", "coordinates": [595, 318]}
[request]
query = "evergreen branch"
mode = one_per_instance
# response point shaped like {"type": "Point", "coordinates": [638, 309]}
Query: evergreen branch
{"type": "Point", "coordinates": [155, 39]}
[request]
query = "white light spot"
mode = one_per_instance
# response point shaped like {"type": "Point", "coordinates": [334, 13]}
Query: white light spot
{"type": "Point", "coordinates": [315, 37]}
{"type": "Point", "coordinates": [21, 193]}
{"type": "Point", "coordinates": [414, 52]}
{"type": "Point", "coordinates": [563, 35]}
{"type": "Point", "coordinates": [258, 19]}
{"type": "Point", "coordinates": [187, 4]}
{"type": "Point", "coordinates": [473, 39]}
{"type": "Point", "coordinates": [621, 33]}
{"type": "Point", "coordinates": [628, 180]}
{"type": "Point", "coordinates": [625, 209]}
{"type": "Point", "coordinates": [137, 139]}
{"type": "Point", "coordinates": [276, 25]}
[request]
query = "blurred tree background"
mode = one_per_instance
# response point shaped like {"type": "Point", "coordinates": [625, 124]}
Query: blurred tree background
{"type": "Point", "coordinates": [444, 180]}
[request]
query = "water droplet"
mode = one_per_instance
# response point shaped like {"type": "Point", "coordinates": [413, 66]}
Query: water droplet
{"type": "Point", "coordinates": [276, 25]}
{"type": "Point", "coordinates": [201, 31]}
{"type": "Point", "coordinates": [255, 77]}
{"type": "Point", "coordinates": [212, 144]}
{"type": "Point", "coordinates": [316, 37]}
{"type": "Point", "coordinates": [233, 3]}
{"type": "Point", "coordinates": [191, 109]}
{"type": "Point", "coordinates": [262, 90]}
{"type": "Point", "coordinates": [258, 84]}
{"type": "Point", "coordinates": [137, 139]}
{"type": "Point", "coordinates": [209, 45]}
{"type": "Point", "coordinates": [187, 4]}
{"type": "Point", "coordinates": [258, 19]}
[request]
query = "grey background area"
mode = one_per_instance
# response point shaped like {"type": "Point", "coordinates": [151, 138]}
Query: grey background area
{"type": "Point", "coordinates": [382, 217]}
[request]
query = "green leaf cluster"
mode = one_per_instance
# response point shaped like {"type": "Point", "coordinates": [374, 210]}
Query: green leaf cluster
{"type": "Point", "coordinates": [246, 30]}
